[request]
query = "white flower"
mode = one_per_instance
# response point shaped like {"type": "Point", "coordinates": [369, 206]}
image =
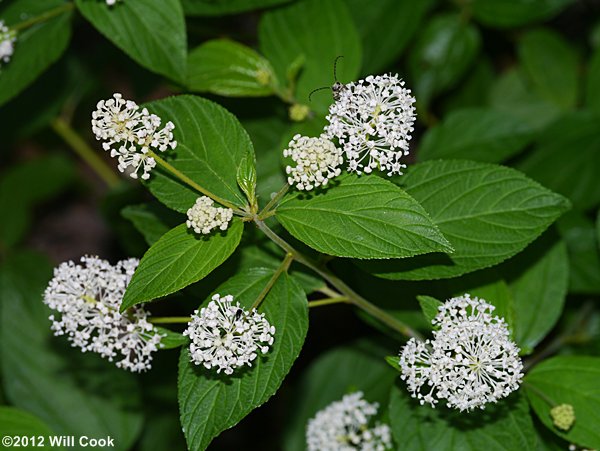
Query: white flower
{"type": "Point", "coordinates": [470, 362]}
{"type": "Point", "coordinates": [87, 298]}
{"type": "Point", "coordinates": [344, 426]}
{"type": "Point", "coordinates": [112, 2]}
{"type": "Point", "coordinates": [130, 133]}
{"type": "Point", "coordinates": [373, 120]}
{"type": "Point", "coordinates": [317, 161]}
{"type": "Point", "coordinates": [226, 336]}
{"type": "Point", "coordinates": [203, 217]}
{"type": "Point", "coordinates": [7, 42]}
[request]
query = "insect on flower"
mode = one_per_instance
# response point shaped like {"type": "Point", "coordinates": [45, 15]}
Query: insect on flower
{"type": "Point", "coordinates": [337, 87]}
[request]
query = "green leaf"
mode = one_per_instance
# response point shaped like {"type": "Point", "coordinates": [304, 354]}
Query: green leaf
{"type": "Point", "coordinates": [209, 402]}
{"type": "Point", "coordinates": [37, 46]}
{"type": "Point", "coordinates": [170, 339]}
{"type": "Point", "coordinates": [429, 307]}
{"type": "Point", "coordinates": [227, 68]}
{"type": "Point", "coordinates": [52, 174]}
{"type": "Point", "coordinates": [538, 279]}
{"type": "Point", "coordinates": [72, 392]}
{"type": "Point", "coordinates": [444, 50]}
{"type": "Point", "coordinates": [394, 362]}
{"type": "Point", "coordinates": [151, 32]}
{"type": "Point", "coordinates": [221, 8]}
{"type": "Point", "coordinates": [177, 259]}
{"type": "Point", "coordinates": [505, 426]}
{"type": "Point", "coordinates": [552, 65]}
{"type": "Point", "coordinates": [360, 217]}
{"type": "Point", "coordinates": [577, 177]}
{"type": "Point", "coordinates": [584, 259]}
{"type": "Point", "coordinates": [512, 94]}
{"type": "Point", "coordinates": [473, 90]}
{"type": "Point", "coordinates": [568, 380]}
{"type": "Point", "coordinates": [16, 422]}
{"type": "Point", "coordinates": [151, 220]}
{"type": "Point", "coordinates": [211, 146]}
{"type": "Point", "coordinates": [320, 31]}
{"type": "Point", "coordinates": [592, 97]}
{"type": "Point", "coordinates": [385, 28]}
{"type": "Point", "coordinates": [488, 213]}
{"type": "Point", "coordinates": [246, 177]}
{"type": "Point", "coordinates": [330, 377]}
{"type": "Point", "coordinates": [514, 13]}
{"type": "Point", "coordinates": [485, 135]}
{"type": "Point", "coordinates": [266, 135]}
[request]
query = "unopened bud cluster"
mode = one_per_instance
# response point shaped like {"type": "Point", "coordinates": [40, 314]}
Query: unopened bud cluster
{"type": "Point", "coordinates": [131, 133]}
{"type": "Point", "coordinates": [204, 217]}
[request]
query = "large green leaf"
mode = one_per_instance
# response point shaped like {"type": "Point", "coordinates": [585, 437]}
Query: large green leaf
{"type": "Point", "coordinates": [179, 258]}
{"type": "Point", "coordinates": [361, 217]}
{"type": "Point", "coordinates": [20, 423]}
{"type": "Point", "coordinates": [488, 213]}
{"type": "Point", "coordinates": [584, 257]}
{"type": "Point", "coordinates": [220, 8]}
{"type": "Point", "coordinates": [319, 32]}
{"type": "Point", "coordinates": [228, 68]}
{"type": "Point", "coordinates": [386, 27]}
{"type": "Point", "coordinates": [37, 46]}
{"type": "Point", "coordinates": [18, 195]}
{"type": "Point", "coordinates": [568, 380]}
{"type": "Point", "coordinates": [513, 95]}
{"type": "Point", "coordinates": [552, 65]}
{"type": "Point", "coordinates": [505, 426]}
{"type": "Point", "coordinates": [444, 50]}
{"type": "Point", "coordinates": [538, 280]}
{"type": "Point", "coordinates": [211, 145]}
{"type": "Point", "coordinates": [329, 378]}
{"type": "Point", "coordinates": [485, 135]}
{"type": "Point", "coordinates": [209, 402]}
{"type": "Point", "coordinates": [73, 393]}
{"type": "Point", "coordinates": [577, 177]}
{"type": "Point", "coordinates": [513, 13]}
{"type": "Point", "coordinates": [152, 220]}
{"type": "Point", "coordinates": [152, 32]}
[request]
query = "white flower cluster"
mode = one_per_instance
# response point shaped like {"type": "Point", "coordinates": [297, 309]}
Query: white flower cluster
{"type": "Point", "coordinates": [373, 121]}
{"type": "Point", "coordinates": [344, 426]}
{"type": "Point", "coordinates": [112, 2]}
{"type": "Point", "coordinates": [470, 362]}
{"type": "Point", "coordinates": [7, 42]}
{"type": "Point", "coordinates": [226, 336]}
{"type": "Point", "coordinates": [317, 161]}
{"type": "Point", "coordinates": [135, 131]}
{"type": "Point", "coordinates": [204, 217]}
{"type": "Point", "coordinates": [87, 298]}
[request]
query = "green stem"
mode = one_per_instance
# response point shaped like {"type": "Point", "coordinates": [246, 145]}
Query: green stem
{"type": "Point", "coordinates": [341, 286]}
{"type": "Point", "coordinates": [42, 17]}
{"type": "Point", "coordinates": [188, 181]}
{"type": "Point", "coordinates": [268, 210]}
{"type": "Point", "coordinates": [328, 301]}
{"type": "Point", "coordinates": [170, 319]}
{"type": "Point", "coordinates": [87, 154]}
{"type": "Point", "coordinates": [283, 267]}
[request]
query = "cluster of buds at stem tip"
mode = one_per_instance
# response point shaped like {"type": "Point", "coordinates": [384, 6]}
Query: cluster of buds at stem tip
{"type": "Point", "coordinates": [130, 133]}
{"type": "Point", "coordinates": [204, 217]}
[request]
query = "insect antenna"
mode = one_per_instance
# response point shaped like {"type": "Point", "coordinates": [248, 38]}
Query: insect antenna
{"type": "Point", "coordinates": [315, 90]}
{"type": "Point", "coordinates": [335, 67]}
